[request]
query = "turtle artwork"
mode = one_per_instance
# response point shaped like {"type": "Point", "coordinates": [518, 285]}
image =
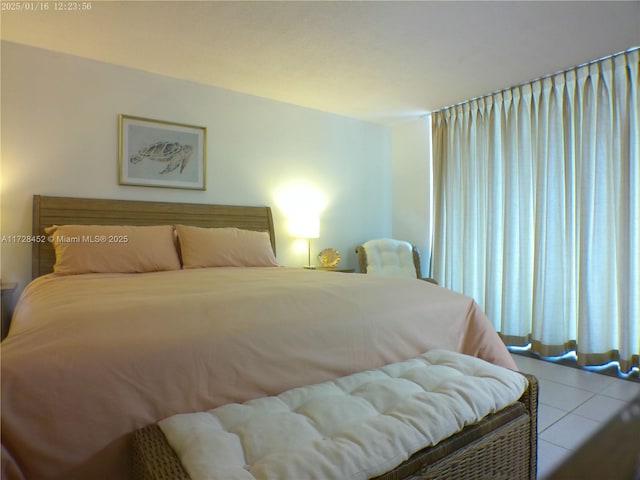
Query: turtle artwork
{"type": "Point", "coordinates": [173, 153]}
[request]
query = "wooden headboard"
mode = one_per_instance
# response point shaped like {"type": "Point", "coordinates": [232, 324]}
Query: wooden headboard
{"type": "Point", "coordinates": [49, 211]}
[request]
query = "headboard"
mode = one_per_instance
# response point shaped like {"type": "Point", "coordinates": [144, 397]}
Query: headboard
{"type": "Point", "coordinates": [49, 211]}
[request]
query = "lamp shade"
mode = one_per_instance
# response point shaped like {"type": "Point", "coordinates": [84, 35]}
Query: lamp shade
{"type": "Point", "coordinates": [304, 227]}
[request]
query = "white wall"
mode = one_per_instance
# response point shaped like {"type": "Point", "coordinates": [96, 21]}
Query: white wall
{"type": "Point", "coordinates": [411, 186]}
{"type": "Point", "coordinates": [59, 137]}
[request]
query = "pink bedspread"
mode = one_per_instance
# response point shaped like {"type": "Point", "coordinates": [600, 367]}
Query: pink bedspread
{"type": "Point", "coordinates": [90, 358]}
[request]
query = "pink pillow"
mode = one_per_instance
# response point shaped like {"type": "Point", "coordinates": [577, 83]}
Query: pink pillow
{"type": "Point", "coordinates": [113, 249]}
{"type": "Point", "coordinates": [224, 247]}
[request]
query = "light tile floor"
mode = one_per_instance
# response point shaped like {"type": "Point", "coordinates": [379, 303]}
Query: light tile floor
{"type": "Point", "coordinates": [573, 405]}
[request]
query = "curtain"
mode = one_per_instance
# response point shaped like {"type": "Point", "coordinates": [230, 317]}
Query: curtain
{"type": "Point", "coordinates": [537, 210]}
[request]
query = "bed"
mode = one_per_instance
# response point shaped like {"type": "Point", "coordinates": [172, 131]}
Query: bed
{"type": "Point", "coordinates": [92, 356]}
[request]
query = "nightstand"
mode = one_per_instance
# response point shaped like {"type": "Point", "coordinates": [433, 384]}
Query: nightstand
{"type": "Point", "coordinates": [335, 269]}
{"type": "Point", "coordinates": [6, 301]}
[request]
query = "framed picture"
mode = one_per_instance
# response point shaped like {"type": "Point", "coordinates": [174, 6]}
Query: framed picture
{"type": "Point", "coordinates": [155, 153]}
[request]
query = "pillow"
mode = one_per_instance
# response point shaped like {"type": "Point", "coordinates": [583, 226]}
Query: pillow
{"type": "Point", "coordinates": [113, 249]}
{"type": "Point", "coordinates": [224, 247]}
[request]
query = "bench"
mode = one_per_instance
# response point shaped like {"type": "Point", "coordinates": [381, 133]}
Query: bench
{"type": "Point", "coordinates": [327, 434]}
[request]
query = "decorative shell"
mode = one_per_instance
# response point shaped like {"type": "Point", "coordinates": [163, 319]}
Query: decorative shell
{"type": "Point", "coordinates": [329, 257]}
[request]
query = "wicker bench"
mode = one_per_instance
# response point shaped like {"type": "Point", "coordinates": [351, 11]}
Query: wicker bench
{"type": "Point", "coordinates": [501, 446]}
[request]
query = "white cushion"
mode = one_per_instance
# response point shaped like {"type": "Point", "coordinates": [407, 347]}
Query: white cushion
{"type": "Point", "coordinates": [390, 257]}
{"type": "Point", "coordinates": [355, 427]}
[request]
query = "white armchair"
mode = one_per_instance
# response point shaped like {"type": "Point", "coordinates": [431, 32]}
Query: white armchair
{"type": "Point", "coordinates": [386, 256]}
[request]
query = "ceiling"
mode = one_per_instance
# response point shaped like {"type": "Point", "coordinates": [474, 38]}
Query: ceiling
{"type": "Point", "coordinates": [380, 61]}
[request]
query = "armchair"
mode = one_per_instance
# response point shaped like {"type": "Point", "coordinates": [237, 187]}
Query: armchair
{"type": "Point", "coordinates": [390, 257]}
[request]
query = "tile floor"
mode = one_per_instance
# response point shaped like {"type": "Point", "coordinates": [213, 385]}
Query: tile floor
{"type": "Point", "coordinates": [573, 405]}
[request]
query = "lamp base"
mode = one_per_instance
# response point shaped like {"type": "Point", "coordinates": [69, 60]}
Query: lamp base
{"type": "Point", "coordinates": [309, 266]}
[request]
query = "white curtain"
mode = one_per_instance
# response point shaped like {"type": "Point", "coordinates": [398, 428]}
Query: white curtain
{"type": "Point", "coordinates": [537, 210]}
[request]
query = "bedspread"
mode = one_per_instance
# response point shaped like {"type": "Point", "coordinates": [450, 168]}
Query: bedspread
{"type": "Point", "coordinates": [90, 358]}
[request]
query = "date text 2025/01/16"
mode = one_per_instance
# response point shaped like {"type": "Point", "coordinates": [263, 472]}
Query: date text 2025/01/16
{"type": "Point", "coordinates": [46, 6]}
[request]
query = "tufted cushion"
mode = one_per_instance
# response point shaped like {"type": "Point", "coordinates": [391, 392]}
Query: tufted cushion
{"type": "Point", "coordinates": [355, 427]}
{"type": "Point", "coordinates": [390, 257]}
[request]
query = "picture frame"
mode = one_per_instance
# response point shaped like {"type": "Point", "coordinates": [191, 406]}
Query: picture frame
{"type": "Point", "coordinates": [157, 153]}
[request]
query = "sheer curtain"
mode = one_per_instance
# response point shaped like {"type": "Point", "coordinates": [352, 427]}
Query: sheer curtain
{"type": "Point", "coordinates": [537, 210]}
